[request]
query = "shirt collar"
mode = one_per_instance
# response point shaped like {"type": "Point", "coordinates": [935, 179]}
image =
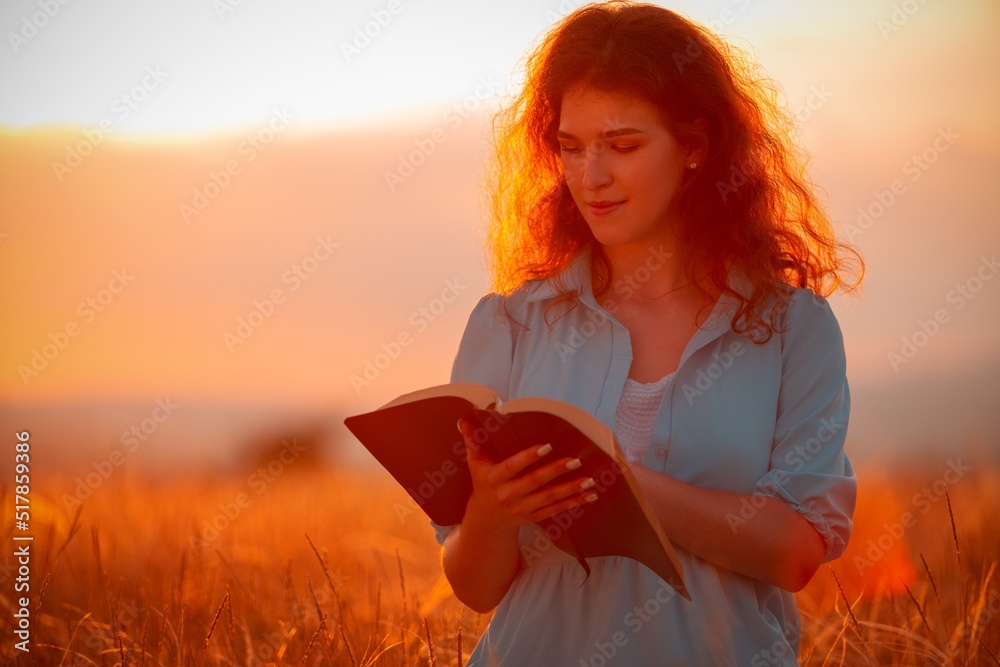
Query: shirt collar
{"type": "Point", "coordinates": [576, 276]}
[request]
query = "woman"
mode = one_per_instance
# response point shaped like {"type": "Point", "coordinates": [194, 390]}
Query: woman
{"type": "Point", "coordinates": [661, 262]}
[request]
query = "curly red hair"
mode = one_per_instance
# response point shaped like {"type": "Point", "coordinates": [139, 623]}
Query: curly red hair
{"type": "Point", "coordinates": [748, 208]}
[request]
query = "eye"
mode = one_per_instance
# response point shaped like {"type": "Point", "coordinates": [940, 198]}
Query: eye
{"type": "Point", "coordinates": [572, 150]}
{"type": "Point", "coordinates": [625, 148]}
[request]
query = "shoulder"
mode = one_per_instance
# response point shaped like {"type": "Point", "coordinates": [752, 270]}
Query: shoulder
{"type": "Point", "coordinates": [520, 304]}
{"type": "Point", "coordinates": [808, 313]}
{"type": "Point", "coordinates": [810, 334]}
{"type": "Point", "coordinates": [489, 309]}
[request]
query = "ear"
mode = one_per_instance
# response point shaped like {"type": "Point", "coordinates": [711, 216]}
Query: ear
{"type": "Point", "coordinates": [698, 148]}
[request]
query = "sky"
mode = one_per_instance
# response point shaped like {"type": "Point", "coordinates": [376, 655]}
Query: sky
{"type": "Point", "coordinates": [194, 202]}
{"type": "Point", "coordinates": [226, 63]}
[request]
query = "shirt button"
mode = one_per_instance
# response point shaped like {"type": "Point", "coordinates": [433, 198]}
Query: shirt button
{"type": "Point", "coordinates": [661, 453]}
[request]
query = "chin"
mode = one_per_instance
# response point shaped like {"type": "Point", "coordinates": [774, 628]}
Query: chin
{"type": "Point", "coordinates": [612, 235]}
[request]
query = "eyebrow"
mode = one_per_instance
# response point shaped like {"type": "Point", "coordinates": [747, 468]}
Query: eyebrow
{"type": "Point", "coordinates": [608, 134]}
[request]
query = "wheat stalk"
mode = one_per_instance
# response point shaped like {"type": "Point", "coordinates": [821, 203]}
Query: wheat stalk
{"type": "Point", "coordinates": [312, 641]}
{"type": "Point", "coordinates": [312, 592]}
{"type": "Point", "coordinates": [233, 572]}
{"type": "Point", "coordinates": [954, 531]}
{"type": "Point", "coordinates": [430, 643]}
{"type": "Point", "coordinates": [930, 576]}
{"type": "Point", "coordinates": [73, 528]}
{"type": "Point", "coordinates": [402, 583]}
{"type": "Point", "coordinates": [41, 592]}
{"type": "Point", "coordinates": [232, 626]}
{"type": "Point", "coordinates": [215, 620]}
{"type": "Point", "coordinates": [326, 572]}
{"type": "Point", "coordinates": [179, 597]}
{"type": "Point", "coordinates": [992, 655]}
{"type": "Point", "coordinates": [919, 608]}
{"type": "Point", "coordinates": [850, 612]}
{"type": "Point", "coordinates": [347, 645]}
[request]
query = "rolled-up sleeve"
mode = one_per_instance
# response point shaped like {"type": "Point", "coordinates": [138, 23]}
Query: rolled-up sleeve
{"type": "Point", "coordinates": [809, 468]}
{"type": "Point", "coordinates": [484, 356]}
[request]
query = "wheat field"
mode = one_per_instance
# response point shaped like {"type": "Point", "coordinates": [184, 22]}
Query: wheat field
{"type": "Point", "coordinates": [319, 566]}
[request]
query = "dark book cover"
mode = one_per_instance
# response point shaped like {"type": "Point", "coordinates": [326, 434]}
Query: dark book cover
{"type": "Point", "coordinates": [416, 439]}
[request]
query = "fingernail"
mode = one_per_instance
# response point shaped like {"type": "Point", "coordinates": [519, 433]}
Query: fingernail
{"type": "Point", "coordinates": [544, 449]}
{"type": "Point", "coordinates": [574, 464]}
{"type": "Point", "coordinates": [587, 483]}
{"type": "Point", "coordinates": [591, 498]}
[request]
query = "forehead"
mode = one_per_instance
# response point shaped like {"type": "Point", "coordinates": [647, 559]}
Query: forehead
{"type": "Point", "coordinates": [586, 110]}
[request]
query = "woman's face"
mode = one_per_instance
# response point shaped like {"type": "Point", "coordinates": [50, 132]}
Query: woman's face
{"type": "Point", "coordinates": [622, 165]}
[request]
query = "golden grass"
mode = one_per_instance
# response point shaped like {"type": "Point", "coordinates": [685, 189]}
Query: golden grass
{"type": "Point", "coordinates": [320, 568]}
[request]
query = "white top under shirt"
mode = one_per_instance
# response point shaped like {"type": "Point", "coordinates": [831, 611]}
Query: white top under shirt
{"type": "Point", "coordinates": [636, 414]}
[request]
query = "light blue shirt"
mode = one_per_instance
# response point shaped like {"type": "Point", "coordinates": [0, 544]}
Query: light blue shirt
{"type": "Point", "coordinates": [765, 419]}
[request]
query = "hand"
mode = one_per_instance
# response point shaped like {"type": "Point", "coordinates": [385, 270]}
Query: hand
{"type": "Point", "coordinates": [505, 499]}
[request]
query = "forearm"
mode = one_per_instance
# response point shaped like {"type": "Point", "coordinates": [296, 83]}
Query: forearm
{"type": "Point", "coordinates": [777, 544]}
{"type": "Point", "coordinates": [480, 561]}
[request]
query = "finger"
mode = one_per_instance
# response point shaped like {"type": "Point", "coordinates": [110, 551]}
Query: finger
{"type": "Point", "coordinates": [576, 499]}
{"type": "Point", "coordinates": [578, 488]}
{"type": "Point", "coordinates": [535, 479]}
{"type": "Point", "coordinates": [514, 464]}
{"type": "Point", "coordinates": [474, 452]}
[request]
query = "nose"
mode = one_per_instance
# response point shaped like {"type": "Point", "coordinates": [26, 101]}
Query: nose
{"type": "Point", "coordinates": [596, 170]}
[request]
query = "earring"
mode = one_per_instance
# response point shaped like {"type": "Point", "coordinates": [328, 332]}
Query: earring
{"type": "Point", "coordinates": [693, 165]}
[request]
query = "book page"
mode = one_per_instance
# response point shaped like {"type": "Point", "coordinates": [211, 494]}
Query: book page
{"type": "Point", "coordinates": [587, 423]}
{"type": "Point", "coordinates": [479, 395]}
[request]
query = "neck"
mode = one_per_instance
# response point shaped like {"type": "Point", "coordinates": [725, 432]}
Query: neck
{"type": "Point", "coordinates": [646, 271]}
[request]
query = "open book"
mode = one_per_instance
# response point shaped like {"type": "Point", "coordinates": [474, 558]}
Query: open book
{"type": "Point", "coordinates": [416, 439]}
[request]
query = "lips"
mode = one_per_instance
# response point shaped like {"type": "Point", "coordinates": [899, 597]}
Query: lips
{"type": "Point", "coordinates": [604, 207]}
